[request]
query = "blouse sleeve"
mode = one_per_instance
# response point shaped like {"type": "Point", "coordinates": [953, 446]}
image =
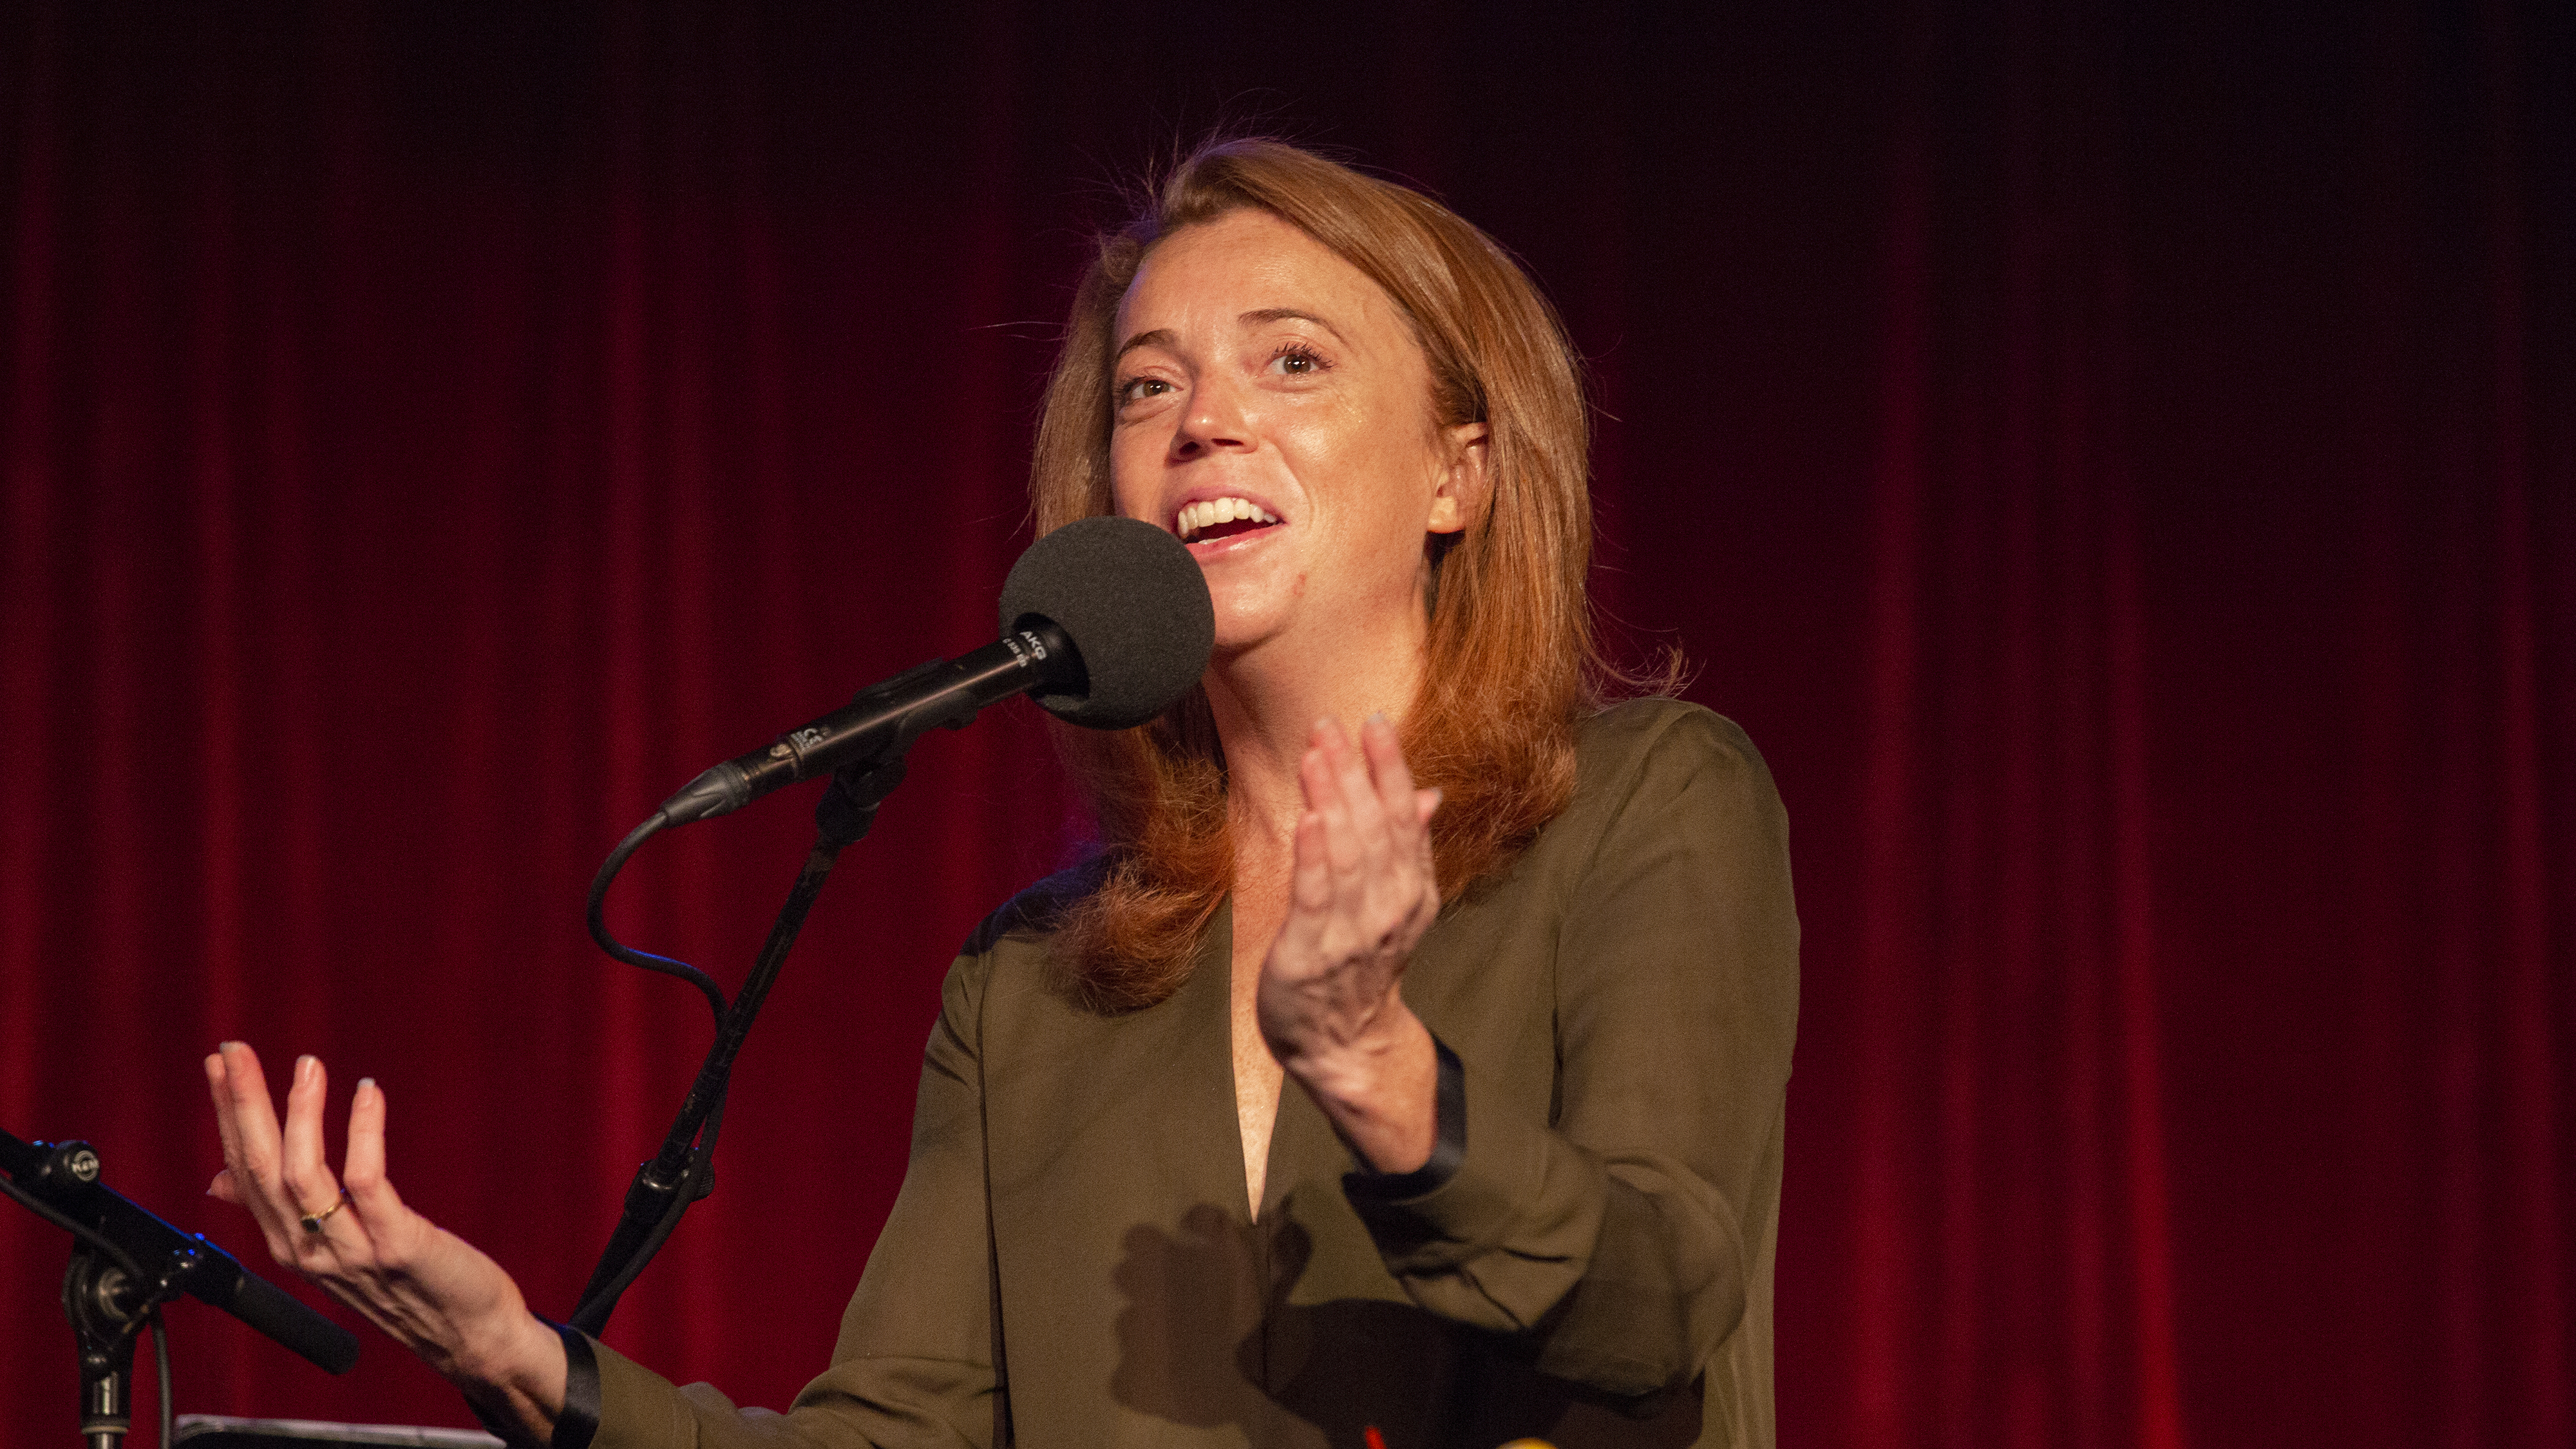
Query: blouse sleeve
{"type": "Point", "coordinates": [1624, 1236]}
{"type": "Point", "coordinates": [915, 1362]}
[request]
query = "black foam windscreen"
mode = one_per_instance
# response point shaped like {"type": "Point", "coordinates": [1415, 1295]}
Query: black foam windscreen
{"type": "Point", "coordinates": [1134, 604]}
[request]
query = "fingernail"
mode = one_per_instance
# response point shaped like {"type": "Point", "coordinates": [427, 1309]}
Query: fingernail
{"type": "Point", "coordinates": [365, 1082]}
{"type": "Point", "coordinates": [1377, 717]}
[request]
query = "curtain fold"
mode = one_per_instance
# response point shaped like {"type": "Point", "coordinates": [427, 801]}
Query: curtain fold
{"type": "Point", "coordinates": [2016, 1283]}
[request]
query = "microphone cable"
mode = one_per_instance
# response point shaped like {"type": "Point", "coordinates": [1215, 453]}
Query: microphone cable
{"type": "Point", "coordinates": [607, 939]}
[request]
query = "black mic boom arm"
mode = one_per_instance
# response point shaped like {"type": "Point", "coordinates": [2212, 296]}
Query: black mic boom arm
{"type": "Point", "coordinates": [884, 719]}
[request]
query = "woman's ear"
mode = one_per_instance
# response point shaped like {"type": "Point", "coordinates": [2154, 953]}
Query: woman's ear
{"type": "Point", "coordinates": [1461, 494]}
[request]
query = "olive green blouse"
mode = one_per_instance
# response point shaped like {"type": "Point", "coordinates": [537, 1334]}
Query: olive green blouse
{"type": "Point", "coordinates": [1071, 1260]}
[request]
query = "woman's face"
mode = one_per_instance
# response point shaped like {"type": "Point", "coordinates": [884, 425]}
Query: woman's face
{"type": "Point", "coordinates": [1274, 412]}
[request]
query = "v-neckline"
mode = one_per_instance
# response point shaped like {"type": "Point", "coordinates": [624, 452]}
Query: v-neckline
{"type": "Point", "coordinates": [1220, 955]}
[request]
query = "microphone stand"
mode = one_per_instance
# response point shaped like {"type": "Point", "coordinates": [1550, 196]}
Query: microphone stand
{"type": "Point", "coordinates": [125, 1264]}
{"type": "Point", "coordinates": [684, 1170]}
{"type": "Point", "coordinates": [876, 733]}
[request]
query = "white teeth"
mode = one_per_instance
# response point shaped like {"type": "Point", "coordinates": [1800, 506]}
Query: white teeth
{"type": "Point", "coordinates": [1210, 512]}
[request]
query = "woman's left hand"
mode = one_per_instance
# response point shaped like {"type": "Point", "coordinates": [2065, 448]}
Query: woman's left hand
{"type": "Point", "coordinates": [1362, 892]}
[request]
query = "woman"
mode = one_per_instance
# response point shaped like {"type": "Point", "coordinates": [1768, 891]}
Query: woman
{"type": "Point", "coordinates": [1530, 963]}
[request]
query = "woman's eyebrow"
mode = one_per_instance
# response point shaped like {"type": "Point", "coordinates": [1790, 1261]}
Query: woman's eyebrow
{"type": "Point", "coordinates": [1260, 317]}
{"type": "Point", "coordinates": [1159, 337]}
{"type": "Point", "coordinates": [1267, 315]}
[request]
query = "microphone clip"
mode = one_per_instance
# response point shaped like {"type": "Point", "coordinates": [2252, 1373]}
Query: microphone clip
{"type": "Point", "coordinates": [849, 803]}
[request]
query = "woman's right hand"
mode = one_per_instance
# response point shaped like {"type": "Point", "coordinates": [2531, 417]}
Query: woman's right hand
{"type": "Point", "coordinates": [432, 1291]}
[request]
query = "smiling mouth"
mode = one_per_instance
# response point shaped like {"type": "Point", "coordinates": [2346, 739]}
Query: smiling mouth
{"type": "Point", "coordinates": [1223, 531]}
{"type": "Point", "coordinates": [1221, 518]}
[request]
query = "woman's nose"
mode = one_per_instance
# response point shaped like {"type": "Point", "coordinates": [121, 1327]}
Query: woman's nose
{"type": "Point", "coordinates": [1214, 420]}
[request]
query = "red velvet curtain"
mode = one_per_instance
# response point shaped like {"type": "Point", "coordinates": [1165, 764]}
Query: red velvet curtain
{"type": "Point", "coordinates": [2118, 465]}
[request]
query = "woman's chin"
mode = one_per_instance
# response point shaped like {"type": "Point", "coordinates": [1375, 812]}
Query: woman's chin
{"type": "Point", "coordinates": [1252, 606]}
{"type": "Point", "coordinates": [1233, 642]}
{"type": "Point", "coordinates": [1265, 625]}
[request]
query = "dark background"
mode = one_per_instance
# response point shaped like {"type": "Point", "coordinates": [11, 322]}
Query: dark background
{"type": "Point", "coordinates": [2117, 462]}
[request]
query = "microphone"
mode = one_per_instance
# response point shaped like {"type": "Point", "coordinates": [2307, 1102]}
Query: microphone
{"type": "Point", "coordinates": [1106, 621]}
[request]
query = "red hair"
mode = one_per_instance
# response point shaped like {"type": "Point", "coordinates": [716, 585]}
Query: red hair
{"type": "Point", "coordinates": [1512, 658]}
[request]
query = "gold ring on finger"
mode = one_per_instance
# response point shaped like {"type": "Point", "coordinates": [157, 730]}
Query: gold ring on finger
{"type": "Point", "coordinates": [313, 1221]}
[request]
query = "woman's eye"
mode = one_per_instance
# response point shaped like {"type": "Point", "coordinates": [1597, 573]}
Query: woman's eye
{"type": "Point", "coordinates": [1298, 362]}
{"type": "Point", "coordinates": [1137, 389]}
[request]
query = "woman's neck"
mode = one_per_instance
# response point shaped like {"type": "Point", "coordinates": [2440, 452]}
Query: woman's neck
{"type": "Point", "coordinates": [1266, 701]}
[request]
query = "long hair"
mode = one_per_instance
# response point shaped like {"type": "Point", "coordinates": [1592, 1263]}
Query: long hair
{"type": "Point", "coordinates": [1512, 659]}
